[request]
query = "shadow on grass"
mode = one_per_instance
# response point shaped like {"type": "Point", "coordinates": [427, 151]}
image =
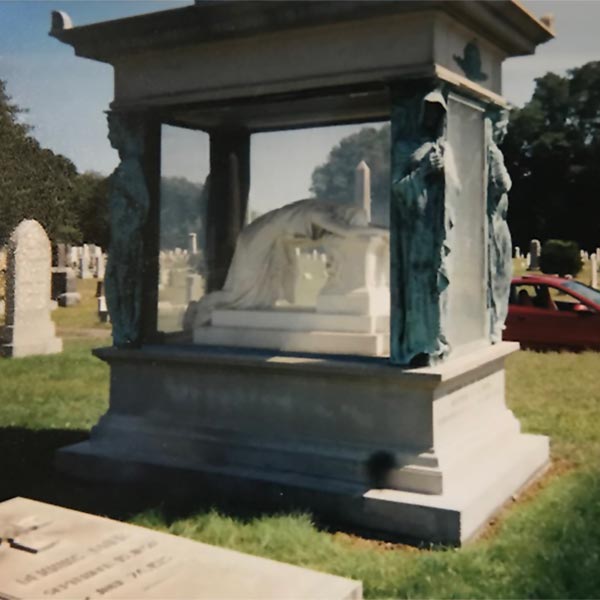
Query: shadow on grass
{"type": "Point", "coordinates": [549, 547]}
{"type": "Point", "coordinates": [26, 469]}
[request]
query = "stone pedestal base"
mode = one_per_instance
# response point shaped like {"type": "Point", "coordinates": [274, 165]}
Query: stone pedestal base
{"type": "Point", "coordinates": [293, 330]}
{"type": "Point", "coordinates": [422, 454]}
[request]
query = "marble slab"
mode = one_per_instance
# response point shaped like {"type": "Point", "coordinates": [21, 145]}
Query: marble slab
{"type": "Point", "coordinates": [51, 552]}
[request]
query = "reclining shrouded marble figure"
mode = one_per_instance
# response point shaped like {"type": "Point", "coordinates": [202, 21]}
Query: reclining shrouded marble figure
{"type": "Point", "coordinates": [261, 271]}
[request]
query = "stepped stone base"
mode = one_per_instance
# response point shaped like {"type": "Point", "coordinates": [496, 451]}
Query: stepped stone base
{"type": "Point", "coordinates": [294, 330]}
{"type": "Point", "coordinates": [418, 454]}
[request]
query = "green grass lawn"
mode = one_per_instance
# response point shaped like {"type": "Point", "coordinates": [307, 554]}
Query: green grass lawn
{"type": "Point", "coordinates": [545, 545]}
{"type": "Point", "coordinates": [78, 320]}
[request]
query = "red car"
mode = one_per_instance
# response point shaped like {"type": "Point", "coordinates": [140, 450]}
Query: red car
{"type": "Point", "coordinates": [552, 312]}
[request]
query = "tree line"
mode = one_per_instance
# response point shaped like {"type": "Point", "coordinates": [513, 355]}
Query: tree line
{"type": "Point", "coordinates": [552, 152]}
{"type": "Point", "coordinates": [36, 183]}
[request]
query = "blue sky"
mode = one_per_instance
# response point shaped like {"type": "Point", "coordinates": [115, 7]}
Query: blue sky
{"type": "Point", "coordinates": [66, 95]}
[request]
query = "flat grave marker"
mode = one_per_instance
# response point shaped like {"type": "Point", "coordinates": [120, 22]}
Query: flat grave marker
{"type": "Point", "coordinates": [52, 552]}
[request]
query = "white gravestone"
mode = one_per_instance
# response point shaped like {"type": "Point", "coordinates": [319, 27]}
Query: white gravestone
{"type": "Point", "coordinates": [29, 328]}
{"type": "Point", "coordinates": [51, 552]}
{"type": "Point", "coordinates": [99, 266]}
{"type": "Point", "coordinates": [103, 315]}
{"type": "Point", "coordinates": [192, 244]}
{"type": "Point", "coordinates": [84, 263]}
{"type": "Point", "coordinates": [73, 256]}
{"type": "Point", "coordinates": [535, 250]}
{"type": "Point", "coordinates": [362, 188]}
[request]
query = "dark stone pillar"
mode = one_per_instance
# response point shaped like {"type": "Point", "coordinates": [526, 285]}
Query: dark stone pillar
{"type": "Point", "coordinates": [228, 200]}
{"type": "Point", "coordinates": [151, 166]}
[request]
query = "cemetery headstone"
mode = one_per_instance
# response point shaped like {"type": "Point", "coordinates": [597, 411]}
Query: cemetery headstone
{"type": "Point", "coordinates": [535, 250]}
{"type": "Point", "coordinates": [61, 255]}
{"type": "Point", "coordinates": [63, 281]}
{"type": "Point", "coordinates": [52, 552]}
{"type": "Point", "coordinates": [99, 266]}
{"type": "Point", "coordinates": [84, 263]}
{"type": "Point", "coordinates": [102, 310]}
{"type": "Point", "coordinates": [362, 187]}
{"type": "Point", "coordinates": [73, 256]}
{"type": "Point", "coordinates": [192, 243]}
{"type": "Point", "coordinates": [69, 299]}
{"type": "Point", "coordinates": [195, 287]}
{"type": "Point", "coordinates": [29, 328]}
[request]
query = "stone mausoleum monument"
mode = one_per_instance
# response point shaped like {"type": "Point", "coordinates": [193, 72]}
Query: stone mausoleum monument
{"type": "Point", "coordinates": [382, 405]}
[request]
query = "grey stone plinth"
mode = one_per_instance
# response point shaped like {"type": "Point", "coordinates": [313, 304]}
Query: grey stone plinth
{"type": "Point", "coordinates": [421, 454]}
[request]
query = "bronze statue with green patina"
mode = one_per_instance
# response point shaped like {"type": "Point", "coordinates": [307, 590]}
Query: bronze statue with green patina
{"type": "Point", "coordinates": [129, 202]}
{"type": "Point", "coordinates": [422, 163]}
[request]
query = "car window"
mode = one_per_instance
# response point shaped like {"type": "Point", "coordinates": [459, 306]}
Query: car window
{"type": "Point", "coordinates": [586, 291]}
{"type": "Point", "coordinates": [523, 295]}
{"type": "Point", "coordinates": [563, 300]}
{"type": "Point", "coordinates": [534, 296]}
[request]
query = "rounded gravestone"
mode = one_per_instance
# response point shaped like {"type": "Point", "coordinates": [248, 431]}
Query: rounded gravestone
{"type": "Point", "coordinates": [29, 328]}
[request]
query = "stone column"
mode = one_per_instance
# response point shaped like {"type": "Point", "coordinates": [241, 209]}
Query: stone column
{"type": "Point", "coordinates": [362, 187]}
{"type": "Point", "coordinates": [228, 199]}
{"type": "Point", "coordinates": [192, 244]}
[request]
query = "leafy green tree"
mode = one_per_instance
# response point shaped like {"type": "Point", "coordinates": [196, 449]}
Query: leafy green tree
{"type": "Point", "coordinates": [334, 180]}
{"type": "Point", "coordinates": [183, 207]}
{"type": "Point", "coordinates": [561, 257]}
{"type": "Point", "coordinates": [35, 182]}
{"type": "Point", "coordinates": [552, 152]}
{"type": "Point", "coordinates": [91, 208]}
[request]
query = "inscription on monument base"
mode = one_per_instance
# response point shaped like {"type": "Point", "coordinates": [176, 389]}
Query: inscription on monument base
{"type": "Point", "coordinates": [51, 552]}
